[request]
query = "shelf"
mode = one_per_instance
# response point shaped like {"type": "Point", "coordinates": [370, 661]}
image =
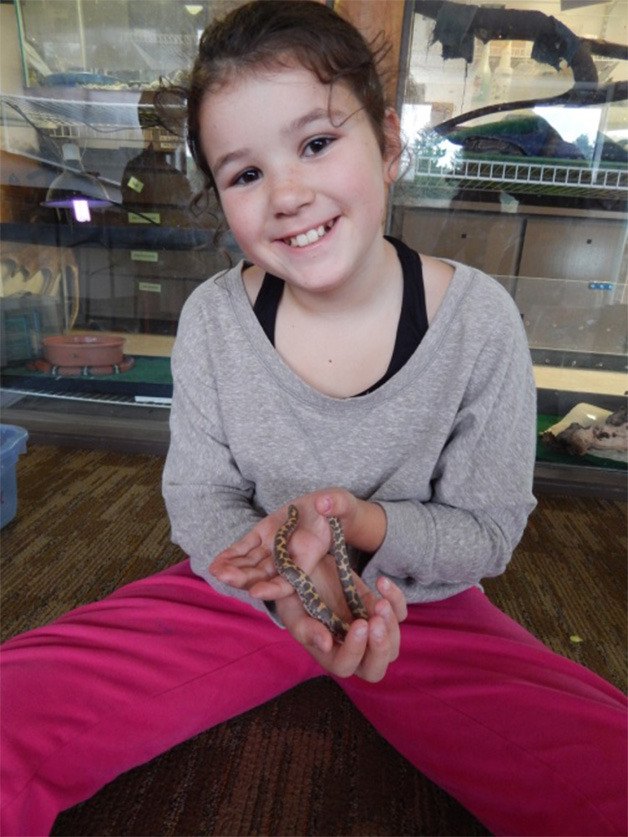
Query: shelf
{"type": "Point", "coordinates": [530, 177]}
{"type": "Point", "coordinates": [113, 424]}
{"type": "Point", "coordinates": [139, 236]}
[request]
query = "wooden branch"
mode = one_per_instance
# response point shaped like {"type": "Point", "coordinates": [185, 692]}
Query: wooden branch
{"type": "Point", "coordinates": [517, 25]}
{"type": "Point", "coordinates": [606, 49]}
{"type": "Point", "coordinates": [615, 92]}
{"type": "Point", "coordinates": [554, 41]}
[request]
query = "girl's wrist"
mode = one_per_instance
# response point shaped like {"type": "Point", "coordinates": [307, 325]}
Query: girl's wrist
{"type": "Point", "coordinates": [367, 529]}
{"type": "Point", "coordinates": [364, 522]}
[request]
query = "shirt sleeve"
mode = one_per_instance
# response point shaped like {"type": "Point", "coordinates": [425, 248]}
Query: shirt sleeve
{"type": "Point", "coordinates": [208, 501]}
{"type": "Point", "coordinates": [482, 483]}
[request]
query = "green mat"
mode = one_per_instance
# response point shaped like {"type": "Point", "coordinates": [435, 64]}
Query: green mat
{"type": "Point", "coordinates": [147, 370]}
{"type": "Point", "coordinates": [152, 376]}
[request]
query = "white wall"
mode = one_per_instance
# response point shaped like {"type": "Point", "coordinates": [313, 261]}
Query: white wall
{"type": "Point", "coordinates": [10, 60]}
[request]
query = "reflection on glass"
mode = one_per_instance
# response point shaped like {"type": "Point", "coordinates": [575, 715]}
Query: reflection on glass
{"type": "Point", "coordinates": [100, 232]}
{"type": "Point", "coordinates": [517, 130]}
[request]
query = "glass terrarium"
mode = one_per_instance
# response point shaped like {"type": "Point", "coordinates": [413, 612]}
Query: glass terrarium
{"type": "Point", "coordinates": [116, 43]}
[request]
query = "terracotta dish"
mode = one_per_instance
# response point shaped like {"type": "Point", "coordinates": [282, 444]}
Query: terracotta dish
{"type": "Point", "coordinates": [83, 350]}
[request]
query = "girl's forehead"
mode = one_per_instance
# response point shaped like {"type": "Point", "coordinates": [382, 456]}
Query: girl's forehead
{"type": "Point", "coordinates": [268, 106]}
{"type": "Point", "coordinates": [244, 82]}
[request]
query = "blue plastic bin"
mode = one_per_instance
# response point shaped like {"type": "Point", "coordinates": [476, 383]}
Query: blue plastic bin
{"type": "Point", "coordinates": [12, 444]}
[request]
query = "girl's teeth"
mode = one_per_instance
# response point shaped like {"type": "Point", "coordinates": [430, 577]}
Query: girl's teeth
{"type": "Point", "coordinates": [309, 237]}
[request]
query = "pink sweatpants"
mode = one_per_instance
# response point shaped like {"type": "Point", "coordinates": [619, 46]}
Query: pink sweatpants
{"type": "Point", "coordinates": [528, 741]}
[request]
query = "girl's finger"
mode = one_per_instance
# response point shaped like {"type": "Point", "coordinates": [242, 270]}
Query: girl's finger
{"type": "Point", "coordinates": [242, 575]}
{"type": "Point", "coordinates": [393, 633]}
{"type": "Point", "coordinates": [343, 660]}
{"type": "Point", "coordinates": [271, 586]}
{"type": "Point", "coordinates": [383, 644]}
{"type": "Point", "coordinates": [252, 558]}
{"type": "Point", "coordinates": [231, 575]}
{"type": "Point", "coordinates": [393, 594]}
{"type": "Point", "coordinates": [245, 544]}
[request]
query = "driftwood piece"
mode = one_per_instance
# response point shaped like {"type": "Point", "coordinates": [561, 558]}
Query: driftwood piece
{"type": "Point", "coordinates": [457, 25]}
{"type": "Point", "coordinates": [553, 40]}
{"type": "Point", "coordinates": [608, 433]}
{"type": "Point", "coordinates": [615, 92]}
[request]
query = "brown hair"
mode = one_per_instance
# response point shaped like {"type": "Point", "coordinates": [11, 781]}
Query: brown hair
{"type": "Point", "coordinates": [271, 33]}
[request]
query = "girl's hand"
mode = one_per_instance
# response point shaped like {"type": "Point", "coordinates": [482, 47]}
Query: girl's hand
{"type": "Point", "coordinates": [369, 647]}
{"type": "Point", "coordinates": [248, 563]}
{"type": "Point", "coordinates": [370, 644]}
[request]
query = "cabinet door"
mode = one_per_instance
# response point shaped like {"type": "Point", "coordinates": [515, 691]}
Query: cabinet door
{"type": "Point", "coordinates": [159, 303]}
{"type": "Point", "coordinates": [488, 241]}
{"type": "Point", "coordinates": [107, 297]}
{"type": "Point", "coordinates": [573, 248]}
{"type": "Point", "coordinates": [571, 290]}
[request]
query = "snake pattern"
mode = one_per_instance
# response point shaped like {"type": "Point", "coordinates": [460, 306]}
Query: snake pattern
{"type": "Point", "coordinates": [303, 584]}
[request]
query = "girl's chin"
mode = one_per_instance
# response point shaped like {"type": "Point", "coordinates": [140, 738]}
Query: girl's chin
{"type": "Point", "coordinates": [318, 283]}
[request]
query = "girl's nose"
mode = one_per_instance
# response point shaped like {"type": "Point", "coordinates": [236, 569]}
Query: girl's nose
{"type": "Point", "coordinates": [289, 193]}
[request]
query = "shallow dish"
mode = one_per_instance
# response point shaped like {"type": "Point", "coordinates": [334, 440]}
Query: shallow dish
{"type": "Point", "coordinates": [83, 350]}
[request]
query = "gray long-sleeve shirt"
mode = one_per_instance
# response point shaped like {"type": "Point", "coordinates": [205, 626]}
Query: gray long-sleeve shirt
{"type": "Point", "coordinates": [446, 446]}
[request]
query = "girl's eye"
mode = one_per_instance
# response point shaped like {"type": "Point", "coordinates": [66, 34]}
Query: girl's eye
{"type": "Point", "coordinates": [245, 177]}
{"type": "Point", "coordinates": [316, 145]}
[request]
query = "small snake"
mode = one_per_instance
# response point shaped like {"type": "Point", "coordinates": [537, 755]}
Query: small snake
{"type": "Point", "coordinates": [303, 584]}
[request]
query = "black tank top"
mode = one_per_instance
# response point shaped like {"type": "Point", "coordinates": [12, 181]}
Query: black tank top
{"type": "Point", "coordinates": [412, 320]}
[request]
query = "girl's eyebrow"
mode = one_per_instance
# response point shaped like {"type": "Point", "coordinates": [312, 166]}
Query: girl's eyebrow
{"type": "Point", "coordinates": [315, 115]}
{"type": "Point", "coordinates": [231, 157]}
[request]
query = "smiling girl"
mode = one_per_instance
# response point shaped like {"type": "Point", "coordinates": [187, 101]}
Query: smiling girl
{"type": "Point", "coordinates": [337, 371]}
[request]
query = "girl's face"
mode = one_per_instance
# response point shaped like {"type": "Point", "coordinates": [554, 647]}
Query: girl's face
{"type": "Point", "coordinates": [304, 194]}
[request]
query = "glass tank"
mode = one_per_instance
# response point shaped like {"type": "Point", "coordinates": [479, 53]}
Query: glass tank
{"type": "Point", "coordinates": [516, 147]}
{"type": "Point", "coordinates": [516, 126]}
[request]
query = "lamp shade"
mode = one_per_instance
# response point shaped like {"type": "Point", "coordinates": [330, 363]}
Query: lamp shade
{"type": "Point", "coordinates": [75, 189]}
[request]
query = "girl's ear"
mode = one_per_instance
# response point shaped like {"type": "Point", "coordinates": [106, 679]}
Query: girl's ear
{"type": "Point", "coordinates": [392, 145]}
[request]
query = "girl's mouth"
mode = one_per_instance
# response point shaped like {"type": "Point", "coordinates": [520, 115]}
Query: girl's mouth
{"type": "Point", "coordinates": [311, 236]}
